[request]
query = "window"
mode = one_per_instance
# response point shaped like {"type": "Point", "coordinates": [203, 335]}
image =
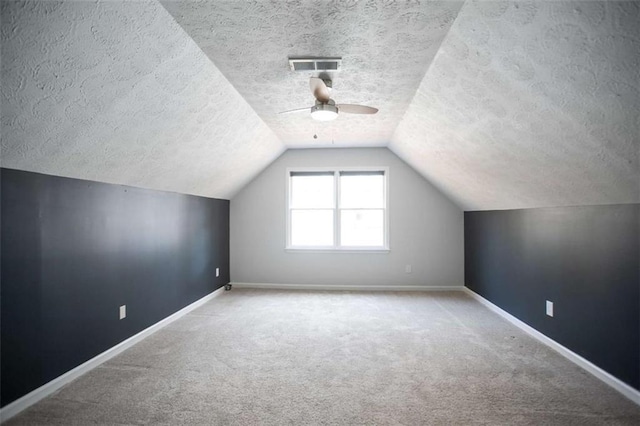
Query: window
{"type": "Point", "coordinates": [339, 209]}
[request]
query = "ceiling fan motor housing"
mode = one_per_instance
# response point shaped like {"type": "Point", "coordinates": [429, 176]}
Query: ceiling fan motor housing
{"type": "Point", "coordinates": [324, 111]}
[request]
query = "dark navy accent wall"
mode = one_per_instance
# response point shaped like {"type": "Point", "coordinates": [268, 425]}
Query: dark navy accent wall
{"type": "Point", "coordinates": [73, 251]}
{"type": "Point", "coordinates": [586, 260]}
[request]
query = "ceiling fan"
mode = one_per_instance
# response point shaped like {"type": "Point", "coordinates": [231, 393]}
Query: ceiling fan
{"type": "Point", "coordinates": [325, 108]}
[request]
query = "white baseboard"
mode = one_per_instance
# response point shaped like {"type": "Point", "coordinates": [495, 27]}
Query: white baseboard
{"type": "Point", "coordinates": [273, 286]}
{"type": "Point", "coordinates": [47, 389]}
{"type": "Point", "coordinates": [615, 383]}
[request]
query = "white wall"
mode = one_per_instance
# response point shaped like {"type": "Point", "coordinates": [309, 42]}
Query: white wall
{"type": "Point", "coordinates": [425, 230]}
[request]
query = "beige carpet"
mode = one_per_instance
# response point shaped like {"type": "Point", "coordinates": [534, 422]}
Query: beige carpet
{"type": "Point", "coordinates": [300, 357]}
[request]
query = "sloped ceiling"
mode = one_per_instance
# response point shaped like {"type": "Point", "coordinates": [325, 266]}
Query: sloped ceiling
{"type": "Point", "coordinates": [117, 92]}
{"type": "Point", "coordinates": [500, 104]}
{"type": "Point", "coordinates": [531, 104]}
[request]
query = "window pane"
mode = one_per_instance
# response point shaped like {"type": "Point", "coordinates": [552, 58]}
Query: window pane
{"type": "Point", "coordinates": [312, 227]}
{"type": "Point", "coordinates": [362, 228]}
{"type": "Point", "coordinates": [361, 191]}
{"type": "Point", "coordinates": [312, 191]}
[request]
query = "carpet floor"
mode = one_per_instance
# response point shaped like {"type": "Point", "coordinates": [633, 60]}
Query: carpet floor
{"type": "Point", "coordinates": [265, 357]}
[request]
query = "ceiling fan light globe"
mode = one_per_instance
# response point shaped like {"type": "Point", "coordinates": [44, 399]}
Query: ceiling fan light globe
{"type": "Point", "coordinates": [324, 112]}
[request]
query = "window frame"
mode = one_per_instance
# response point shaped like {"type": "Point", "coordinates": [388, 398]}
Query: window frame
{"type": "Point", "coordinates": [336, 247]}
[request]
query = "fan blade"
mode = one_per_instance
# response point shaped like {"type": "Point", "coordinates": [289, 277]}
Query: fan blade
{"type": "Point", "coordinates": [295, 110]}
{"type": "Point", "coordinates": [319, 89]}
{"type": "Point", "coordinates": [356, 109]}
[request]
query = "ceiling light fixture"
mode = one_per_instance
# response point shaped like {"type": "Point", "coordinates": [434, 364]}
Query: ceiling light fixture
{"type": "Point", "coordinates": [324, 112]}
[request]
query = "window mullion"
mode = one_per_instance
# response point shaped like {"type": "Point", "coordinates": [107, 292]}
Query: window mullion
{"type": "Point", "coordinates": [336, 209]}
{"type": "Point", "coordinates": [289, 208]}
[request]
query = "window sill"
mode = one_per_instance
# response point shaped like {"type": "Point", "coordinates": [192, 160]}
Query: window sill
{"type": "Point", "coordinates": [373, 250]}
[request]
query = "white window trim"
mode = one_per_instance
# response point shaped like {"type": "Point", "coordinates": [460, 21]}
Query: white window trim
{"type": "Point", "coordinates": [385, 248]}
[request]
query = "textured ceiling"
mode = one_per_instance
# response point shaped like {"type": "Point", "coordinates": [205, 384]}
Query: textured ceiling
{"type": "Point", "coordinates": [500, 104]}
{"type": "Point", "coordinates": [117, 92]}
{"type": "Point", "coordinates": [386, 47]}
{"type": "Point", "coordinates": [531, 104]}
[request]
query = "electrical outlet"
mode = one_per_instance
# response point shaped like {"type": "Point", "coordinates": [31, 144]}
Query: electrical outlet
{"type": "Point", "coordinates": [123, 311]}
{"type": "Point", "coordinates": [549, 308]}
{"type": "Point", "coordinates": [407, 269]}
{"type": "Point", "coordinates": [217, 272]}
